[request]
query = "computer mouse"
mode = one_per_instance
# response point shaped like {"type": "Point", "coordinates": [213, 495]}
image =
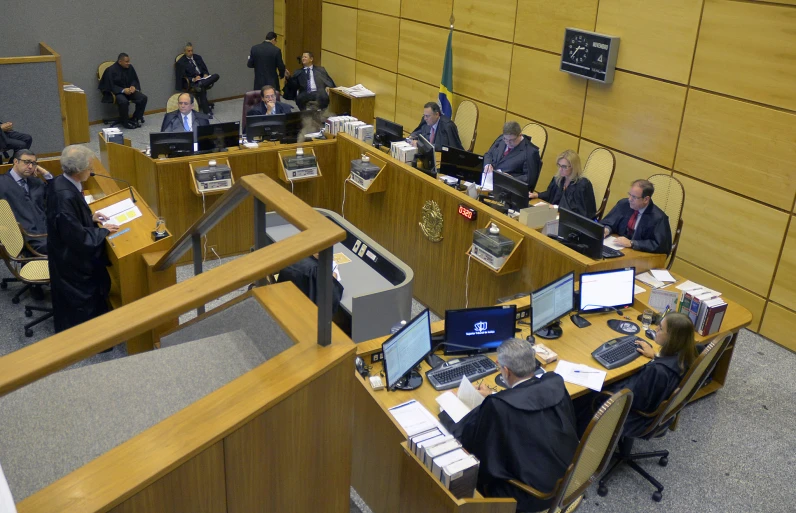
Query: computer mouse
{"type": "Point", "coordinates": [359, 363]}
{"type": "Point", "coordinates": [650, 334]}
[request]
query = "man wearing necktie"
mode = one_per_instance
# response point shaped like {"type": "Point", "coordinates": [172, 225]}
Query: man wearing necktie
{"type": "Point", "coordinates": [514, 154]}
{"type": "Point", "coordinates": [309, 84]}
{"type": "Point", "coordinates": [25, 189]}
{"type": "Point", "coordinates": [193, 75]}
{"type": "Point", "coordinates": [638, 223]}
{"type": "Point", "coordinates": [437, 128]}
{"type": "Point", "coordinates": [269, 106]}
{"type": "Point", "coordinates": [184, 119]}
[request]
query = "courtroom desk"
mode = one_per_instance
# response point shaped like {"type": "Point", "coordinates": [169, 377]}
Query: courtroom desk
{"type": "Point", "coordinates": [77, 117]}
{"type": "Point", "coordinates": [361, 108]}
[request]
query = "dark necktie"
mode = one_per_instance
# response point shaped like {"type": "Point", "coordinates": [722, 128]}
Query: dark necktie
{"type": "Point", "coordinates": [631, 224]}
{"type": "Point", "coordinates": [310, 80]}
{"type": "Point", "coordinates": [508, 149]}
{"type": "Point", "coordinates": [22, 183]}
{"type": "Point", "coordinates": [433, 134]}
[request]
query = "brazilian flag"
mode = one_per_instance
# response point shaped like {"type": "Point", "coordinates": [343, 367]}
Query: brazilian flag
{"type": "Point", "coordinates": [446, 83]}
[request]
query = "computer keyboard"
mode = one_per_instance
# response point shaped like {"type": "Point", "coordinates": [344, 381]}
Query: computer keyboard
{"type": "Point", "coordinates": [611, 252]}
{"type": "Point", "coordinates": [617, 352]}
{"type": "Point", "coordinates": [475, 367]}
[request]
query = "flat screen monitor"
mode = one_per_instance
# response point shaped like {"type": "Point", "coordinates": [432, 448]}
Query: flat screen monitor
{"type": "Point", "coordinates": [511, 191]}
{"type": "Point", "coordinates": [218, 137]}
{"type": "Point", "coordinates": [294, 124]}
{"type": "Point", "coordinates": [550, 303]}
{"type": "Point", "coordinates": [580, 233]}
{"type": "Point", "coordinates": [404, 350]}
{"type": "Point", "coordinates": [387, 132]}
{"type": "Point", "coordinates": [464, 165]}
{"type": "Point", "coordinates": [478, 330]}
{"type": "Point", "coordinates": [265, 128]}
{"type": "Point", "coordinates": [170, 144]}
{"type": "Point", "coordinates": [607, 290]}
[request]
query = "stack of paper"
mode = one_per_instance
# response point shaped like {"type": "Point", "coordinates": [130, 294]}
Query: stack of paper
{"type": "Point", "coordinates": [414, 418]}
{"type": "Point", "coordinates": [120, 213]}
{"type": "Point", "coordinates": [663, 275]}
{"type": "Point", "coordinates": [650, 280]}
{"type": "Point", "coordinates": [579, 374]}
{"type": "Point", "coordinates": [357, 91]}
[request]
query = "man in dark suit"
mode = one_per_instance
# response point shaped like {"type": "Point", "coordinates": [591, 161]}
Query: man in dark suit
{"type": "Point", "coordinates": [638, 223]}
{"type": "Point", "coordinates": [121, 80]}
{"type": "Point", "coordinates": [439, 130]}
{"type": "Point", "coordinates": [515, 155]}
{"type": "Point", "coordinates": [26, 193]}
{"type": "Point", "coordinates": [192, 67]}
{"type": "Point", "coordinates": [184, 119]}
{"type": "Point", "coordinates": [266, 59]}
{"type": "Point", "coordinates": [12, 140]}
{"type": "Point", "coordinates": [309, 84]}
{"type": "Point", "coordinates": [269, 105]}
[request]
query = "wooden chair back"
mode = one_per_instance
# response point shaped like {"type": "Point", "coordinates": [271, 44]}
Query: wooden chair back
{"type": "Point", "coordinates": [466, 121]}
{"type": "Point", "coordinates": [10, 235]}
{"type": "Point", "coordinates": [538, 135]}
{"type": "Point", "coordinates": [599, 169]}
{"type": "Point", "coordinates": [171, 105]}
{"type": "Point", "coordinates": [670, 197]}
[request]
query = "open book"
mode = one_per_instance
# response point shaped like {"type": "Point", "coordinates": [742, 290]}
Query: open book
{"type": "Point", "coordinates": [459, 405]}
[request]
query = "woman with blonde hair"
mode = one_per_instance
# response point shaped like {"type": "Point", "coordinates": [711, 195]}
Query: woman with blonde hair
{"type": "Point", "coordinates": [568, 189]}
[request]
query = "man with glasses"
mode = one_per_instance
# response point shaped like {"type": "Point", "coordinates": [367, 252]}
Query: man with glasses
{"type": "Point", "coordinates": [514, 154]}
{"type": "Point", "coordinates": [269, 105]}
{"type": "Point", "coordinates": [184, 119]}
{"type": "Point", "coordinates": [638, 223]}
{"type": "Point", "coordinates": [25, 189]}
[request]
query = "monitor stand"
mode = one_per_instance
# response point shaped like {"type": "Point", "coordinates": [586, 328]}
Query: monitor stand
{"type": "Point", "coordinates": [550, 331]}
{"type": "Point", "coordinates": [411, 381]}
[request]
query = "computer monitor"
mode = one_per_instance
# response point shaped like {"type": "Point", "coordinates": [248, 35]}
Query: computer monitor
{"type": "Point", "coordinates": [426, 154]}
{"type": "Point", "coordinates": [464, 165]}
{"type": "Point", "coordinates": [580, 233]}
{"type": "Point", "coordinates": [294, 125]}
{"type": "Point", "coordinates": [218, 137]}
{"type": "Point", "coordinates": [605, 291]}
{"type": "Point", "coordinates": [387, 132]}
{"type": "Point", "coordinates": [404, 350]}
{"type": "Point", "coordinates": [478, 330]}
{"type": "Point", "coordinates": [550, 303]}
{"type": "Point", "coordinates": [170, 144]}
{"type": "Point", "coordinates": [511, 191]}
{"type": "Point", "coordinates": [265, 128]}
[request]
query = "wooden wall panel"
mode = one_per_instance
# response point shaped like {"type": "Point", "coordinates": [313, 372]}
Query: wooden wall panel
{"type": "Point", "coordinates": [491, 19]}
{"type": "Point", "coordinates": [735, 252]}
{"type": "Point", "coordinates": [410, 97]}
{"type": "Point", "coordinates": [341, 69]}
{"type": "Point", "coordinates": [541, 23]}
{"type": "Point", "coordinates": [637, 115]}
{"type": "Point", "coordinates": [422, 51]}
{"type": "Point", "coordinates": [347, 3]}
{"type": "Point", "coordinates": [557, 142]}
{"type": "Point", "coordinates": [481, 68]}
{"type": "Point", "coordinates": [381, 82]}
{"type": "Point", "coordinates": [540, 91]}
{"type": "Point", "coordinates": [747, 50]}
{"type": "Point", "coordinates": [746, 148]}
{"type": "Point", "coordinates": [436, 12]}
{"type": "Point", "coordinates": [377, 40]}
{"type": "Point", "coordinates": [279, 17]}
{"type": "Point", "coordinates": [749, 300]}
{"type": "Point", "coordinates": [490, 124]}
{"type": "Point", "coordinates": [784, 289]}
{"type": "Point", "coordinates": [389, 7]}
{"type": "Point", "coordinates": [338, 24]}
{"type": "Point", "coordinates": [779, 325]}
{"type": "Point", "coordinates": [657, 37]}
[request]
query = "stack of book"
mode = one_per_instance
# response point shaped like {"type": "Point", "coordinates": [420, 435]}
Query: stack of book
{"type": "Point", "coordinates": [337, 123]}
{"type": "Point", "coordinates": [403, 151]}
{"type": "Point", "coordinates": [445, 458]}
{"type": "Point", "coordinates": [704, 307]}
{"type": "Point", "coordinates": [360, 130]}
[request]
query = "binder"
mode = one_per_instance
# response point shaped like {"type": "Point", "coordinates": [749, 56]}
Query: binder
{"type": "Point", "coordinates": [438, 450]}
{"type": "Point", "coordinates": [446, 459]}
{"type": "Point", "coordinates": [713, 319]}
{"type": "Point", "coordinates": [461, 477]}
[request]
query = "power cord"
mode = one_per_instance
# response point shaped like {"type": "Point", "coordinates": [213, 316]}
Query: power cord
{"type": "Point", "coordinates": [467, 283]}
{"type": "Point", "coordinates": [342, 207]}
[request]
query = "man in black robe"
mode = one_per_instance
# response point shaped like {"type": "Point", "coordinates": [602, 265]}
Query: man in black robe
{"type": "Point", "coordinates": [526, 432]}
{"type": "Point", "coordinates": [514, 154]}
{"type": "Point", "coordinates": [439, 130]}
{"type": "Point", "coordinates": [121, 80]}
{"type": "Point", "coordinates": [638, 223]}
{"type": "Point", "coordinates": [26, 193]}
{"type": "Point", "coordinates": [77, 259]}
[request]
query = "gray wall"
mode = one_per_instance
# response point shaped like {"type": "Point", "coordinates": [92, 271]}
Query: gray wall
{"type": "Point", "coordinates": [152, 32]}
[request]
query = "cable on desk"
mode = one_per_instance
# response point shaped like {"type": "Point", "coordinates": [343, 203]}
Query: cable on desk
{"type": "Point", "coordinates": [204, 246]}
{"type": "Point", "coordinates": [291, 188]}
{"type": "Point", "coordinates": [467, 282]}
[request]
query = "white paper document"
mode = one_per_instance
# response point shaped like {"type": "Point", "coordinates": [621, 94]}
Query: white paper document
{"type": "Point", "coordinates": [638, 289]}
{"type": "Point", "coordinates": [611, 243]}
{"type": "Point", "coordinates": [121, 213]}
{"type": "Point", "coordinates": [688, 285]}
{"type": "Point", "coordinates": [468, 394]}
{"type": "Point", "coordinates": [650, 280]}
{"type": "Point", "coordinates": [663, 275]}
{"type": "Point", "coordinates": [486, 181]}
{"type": "Point", "coordinates": [579, 374]}
{"type": "Point", "coordinates": [660, 299]}
{"type": "Point", "coordinates": [414, 418]}
{"type": "Point", "coordinates": [457, 406]}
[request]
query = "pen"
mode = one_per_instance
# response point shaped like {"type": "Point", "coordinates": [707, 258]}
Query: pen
{"type": "Point", "coordinates": [586, 372]}
{"type": "Point", "coordinates": [479, 383]}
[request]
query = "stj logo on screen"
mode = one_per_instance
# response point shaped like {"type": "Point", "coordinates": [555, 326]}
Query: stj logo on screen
{"type": "Point", "coordinates": [480, 328]}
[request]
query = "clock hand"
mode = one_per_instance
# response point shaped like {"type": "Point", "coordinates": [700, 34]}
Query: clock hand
{"type": "Point", "coordinates": [572, 55]}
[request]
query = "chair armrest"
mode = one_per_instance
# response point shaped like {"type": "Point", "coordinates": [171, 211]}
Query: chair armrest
{"type": "Point", "coordinates": [26, 259]}
{"type": "Point", "coordinates": [530, 490]}
{"type": "Point", "coordinates": [31, 235]}
{"type": "Point", "coordinates": [597, 396]}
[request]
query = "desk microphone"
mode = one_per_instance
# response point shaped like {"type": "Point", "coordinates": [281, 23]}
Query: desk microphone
{"type": "Point", "coordinates": [119, 180]}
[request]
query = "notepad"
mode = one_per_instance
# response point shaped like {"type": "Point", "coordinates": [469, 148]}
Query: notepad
{"type": "Point", "coordinates": [663, 275]}
{"type": "Point", "coordinates": [579, 374]}
{"type": "Point", "coordinates": [121, 212]}
{"type": "Point", "coordinates": [611, 243]}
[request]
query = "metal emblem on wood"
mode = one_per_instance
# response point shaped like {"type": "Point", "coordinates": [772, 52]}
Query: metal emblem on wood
{"type": "Point", "coordinates": [432, 221]}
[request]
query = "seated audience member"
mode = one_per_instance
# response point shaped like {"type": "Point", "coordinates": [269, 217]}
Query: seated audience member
{"type": "Point", "coordinates": [12, 140]}
{"type": "Point", "coordinates": [26, 193]}
{"type": "Point", "coordinates": [656, 381]}
{"type": "Point", "coordinates": [514, 154]}
{"type": "Point", "coordinates": [309, 84]}
{"type": "Point", "coordinates": [638, 223]}
{"type": "Point", "coordinates": [269, 105]}
{"type": "Point", "coordinates": [121, 80]}
{"type": "Point", "coordinates": [568, 188]}
{"type": "Point", "coordinates": [184, 119]}
{"type": "Point", "coordinates": [439, 130]}
{"type": "Point", "coordinates": [191, 66]}
{"type": "Point", "coordinates": [526, 432]}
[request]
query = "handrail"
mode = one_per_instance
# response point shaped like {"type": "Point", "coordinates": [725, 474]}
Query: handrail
{"type": "Point", "coordinates": [47, 356]}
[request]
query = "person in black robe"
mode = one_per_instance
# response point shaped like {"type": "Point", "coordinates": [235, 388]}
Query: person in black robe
{"type": "Point", "coordinates": [193, 75]}
{"type": "Point", "coordinates": [568, 189]}
{"type": "Point", "coordinates": [121, 81]}
{"type": "Point", "coordinates": [439, 130]}
{"type": "Point", "coordinates": [26, 193]}
{"type": "Point", "coordinates": [638, 223]}
{"type": "Point", "coordinates": [514, 154]}
{"type": "Point", "coordinates": [654, 382]}
{"type": "Point", "coordinates": [526, 432]}
{"type": "Point", "coordinates": [304, 275]}
{"type": "Point", "coordinates": [76, 250]}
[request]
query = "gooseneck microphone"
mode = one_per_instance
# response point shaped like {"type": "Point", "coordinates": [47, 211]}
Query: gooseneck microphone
{"type": "Point", "coordinates": [119, 180]}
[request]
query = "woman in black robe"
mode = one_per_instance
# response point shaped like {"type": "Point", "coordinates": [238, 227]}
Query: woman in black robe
{"type": "Point", "coordinates": [568, 189]}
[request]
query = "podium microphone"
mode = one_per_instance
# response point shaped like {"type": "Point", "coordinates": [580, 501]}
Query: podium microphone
{"type": "Point", "coordinates": [119, 180]}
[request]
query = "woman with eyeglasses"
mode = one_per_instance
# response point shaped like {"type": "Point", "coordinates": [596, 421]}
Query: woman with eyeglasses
{"type": "Point", "coordinates": [568, 189]}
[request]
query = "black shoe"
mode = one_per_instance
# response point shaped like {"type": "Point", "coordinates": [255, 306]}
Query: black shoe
{"type": "Point", "coordinates": [130, 125]}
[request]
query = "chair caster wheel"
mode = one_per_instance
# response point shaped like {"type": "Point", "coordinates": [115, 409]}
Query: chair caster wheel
{"type": "Point", "coordinates": [28, 313]}
{"type": "Point", "coordinates": [663, 461]}
{"type": "Point", "coordinates": [28, 333]}
{"type": "Point", "coordinates": [3, 285]}
{"type": "Point", "coordinates": [657, 496]}
{"type": "Point", "coordinates": [602, 491]}
{"type": "Point", "coordinates": [15, 300]}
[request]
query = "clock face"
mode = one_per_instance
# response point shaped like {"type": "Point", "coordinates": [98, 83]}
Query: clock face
{"type": "Point", "coordinates": [589, 55]}
{"type": "Point", "coordinates": [578, 48]}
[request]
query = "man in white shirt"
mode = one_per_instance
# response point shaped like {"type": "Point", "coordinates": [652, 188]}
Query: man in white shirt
{"type": "Point", "coordinates": [309, 84]}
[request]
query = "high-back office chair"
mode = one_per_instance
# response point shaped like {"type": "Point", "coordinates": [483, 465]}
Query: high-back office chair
{"type": "Point", "coordinates": [28, 270]}
{"type": "Point", "coordinates": [466, 121]}
{"type": "Point", "coordinates": [591, 457]}
{"type": "Point", "coordinates": [172, 105]}
{"type": "Point", "coordinates": [599, 169]}
{"type": "Point", "coordinates": [538, 135]}
{"type": "Point", "coordinates": [670, 197]}
{"type": "Point", "coordinates": [665, 417]}
{"type": "Point", "coordinates": [106, 96]}
{"type": "Point", "coordinates": [187, 86]}
{"type": "Point", "coordinates": [250, 99]}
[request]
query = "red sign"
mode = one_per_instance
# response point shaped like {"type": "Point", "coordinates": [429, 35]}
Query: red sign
{"type": "Point", "coordinates": [468, 213]}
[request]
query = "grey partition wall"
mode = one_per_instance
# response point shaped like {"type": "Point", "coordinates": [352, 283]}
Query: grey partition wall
{"type": "Point", "coordinates": [30, 98]}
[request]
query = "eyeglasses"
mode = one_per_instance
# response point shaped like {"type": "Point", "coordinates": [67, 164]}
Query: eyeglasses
{"type": "Point", "coordinates": [270, 97]}
{"type": "Point", "coordinates": [29, 162]}
{"type": "Point", "coordinates": [183, 103]}
{"type": "Point", "coordinates": [630, 194]}
{"type": "Point", "coordinates": [564, 166]}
